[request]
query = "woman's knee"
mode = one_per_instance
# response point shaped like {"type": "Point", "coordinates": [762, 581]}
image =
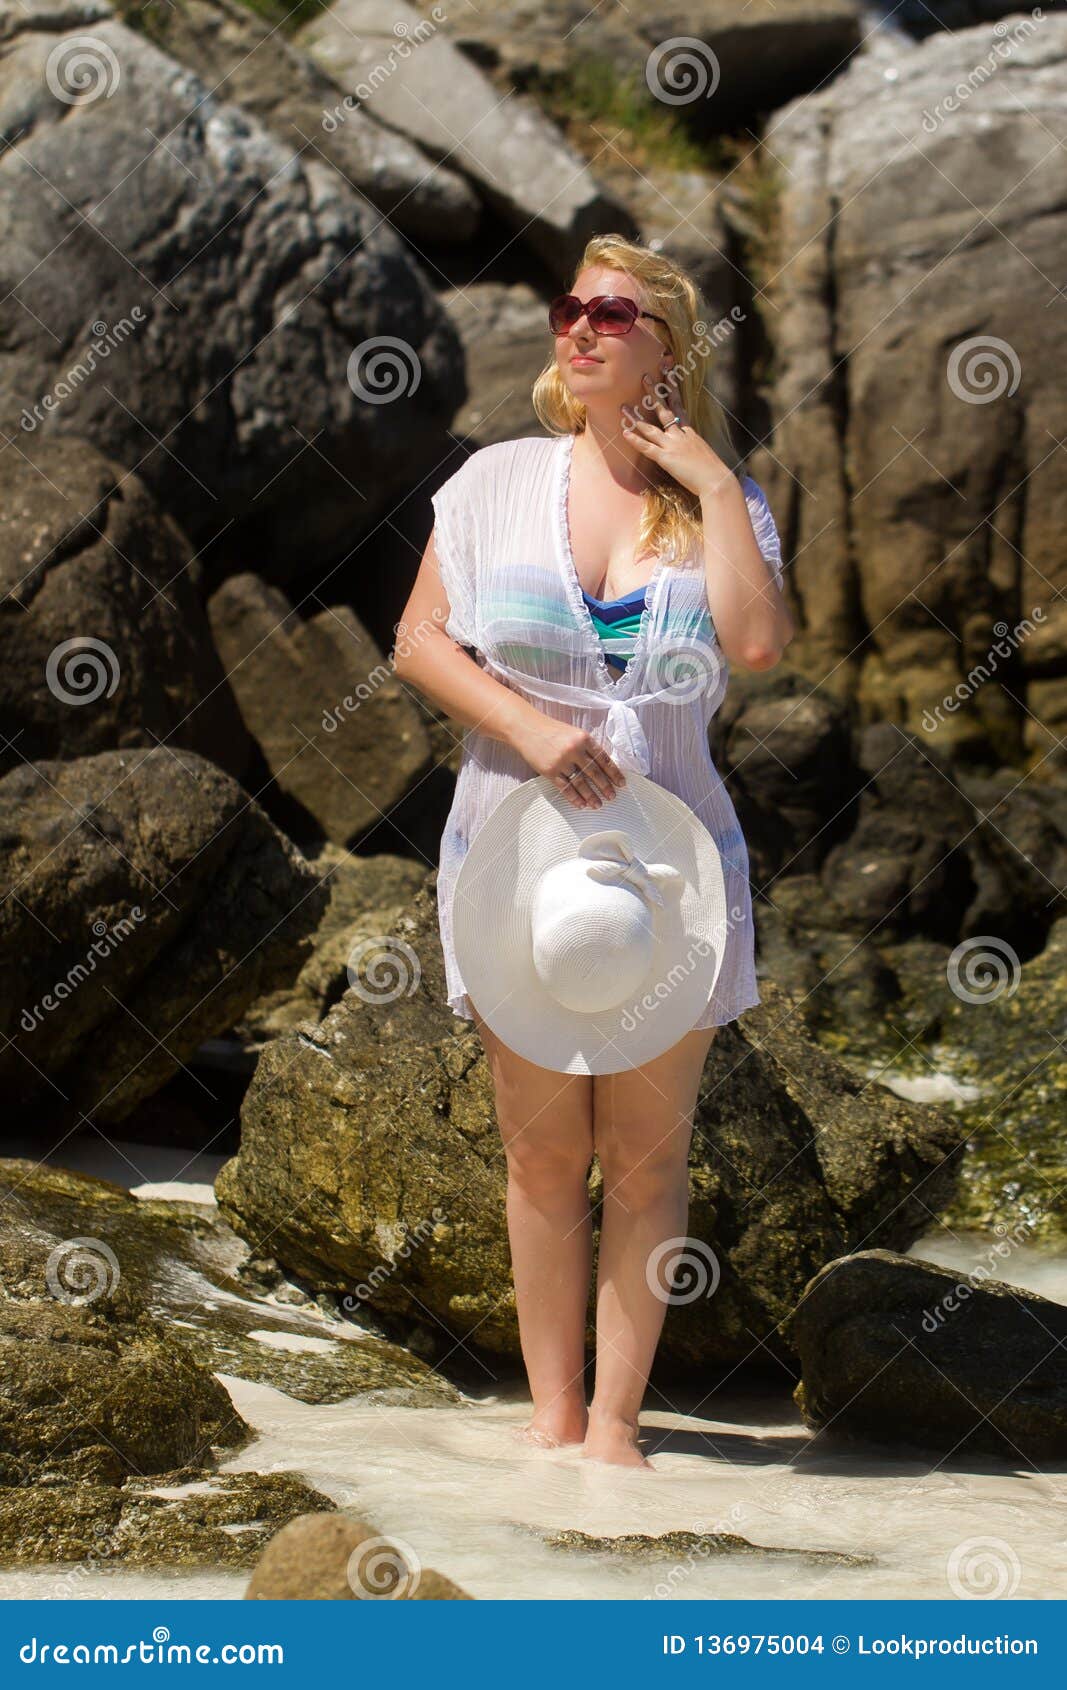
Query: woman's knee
{"type": "Point", "coordinates": [643, 1159]}
{"type": "Point", "coordinates": [545, 1165]}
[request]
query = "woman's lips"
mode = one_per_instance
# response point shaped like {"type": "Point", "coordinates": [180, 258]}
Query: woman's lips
{"type": "Point", "coordinates": [583, 358]}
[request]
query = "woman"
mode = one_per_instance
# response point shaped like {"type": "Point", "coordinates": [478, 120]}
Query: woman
{"type": "Point", "coordinates": [535, 542]}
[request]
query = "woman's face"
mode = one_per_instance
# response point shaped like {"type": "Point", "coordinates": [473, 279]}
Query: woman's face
{"type": "Point", "coordinates": [604, 371]}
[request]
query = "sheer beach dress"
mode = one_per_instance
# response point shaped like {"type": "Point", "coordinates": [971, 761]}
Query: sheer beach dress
{"type": "Point", "coordinates": [503, 545]}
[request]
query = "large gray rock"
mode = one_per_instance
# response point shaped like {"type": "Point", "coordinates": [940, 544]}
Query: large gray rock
{"type": "Point", "coordinates": [915, 475]}
{"type": "Point", "coordinates": [249, 60]}
{"type": "Point", "coordinates": [147, 902]}
{"type": "Point", "coordinates": [103, 638]}
{"type": "Point", "coordinates": [339, 733]}
{"type": "Point", "coordinates": [370, 1156]}
{"type": "Point", "coordinates": [220, 283]}
{"type": "Point", "coordinates": [898, 1350]}
{"type": "Point", "coordinates": [428, 90]}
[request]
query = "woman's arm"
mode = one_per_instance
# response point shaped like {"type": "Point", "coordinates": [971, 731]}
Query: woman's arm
{"type": "Point", "coordinates": [428, 658]}
{"type": "Point", "coordinates": [752, 620]}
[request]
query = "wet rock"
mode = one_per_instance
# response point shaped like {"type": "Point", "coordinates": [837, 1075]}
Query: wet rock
{"type": "Point", "coordinates": [103, 639]}
{"type": "Point", "coordinates": [155, 903]}
{"type": "Point", "coordinates": [994, 1025]}
{"type": "Point", "coordinates": [335, 1558]}
{"type": "Point", "coordinates": [679, 1545]}
{"type": "Point", "coordinates": [897, 1351]}
{"type": "Point", "coordinates": [339, 733]}
{"type": "Point", "coordinates": [191, 1520]}
{"type": "Point", "coordinates": [82, 1378]}
{"type": "Point", "coordinates": [370, 1159]}
{"type": "Point", "coordinates": [184, 1266]}
{"type": "Point", "coordinates": [231, 279]}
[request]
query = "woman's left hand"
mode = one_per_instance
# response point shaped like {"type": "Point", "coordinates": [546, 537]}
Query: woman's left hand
{"type": "Point", "coordinates": [677, 446]}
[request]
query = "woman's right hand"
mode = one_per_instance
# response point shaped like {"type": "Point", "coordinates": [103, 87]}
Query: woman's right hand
{"type": "Point", "coordinates": [558, 749]}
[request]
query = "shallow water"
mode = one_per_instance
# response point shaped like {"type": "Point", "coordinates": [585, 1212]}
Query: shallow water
{"type": "Point", "coordinates": [456, 1492]}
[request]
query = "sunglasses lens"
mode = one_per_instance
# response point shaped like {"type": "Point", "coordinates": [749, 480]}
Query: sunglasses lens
{"type": "Point", "coordinates": [612, 316]}
{"type": "Point", "coordinates": [563, 313]}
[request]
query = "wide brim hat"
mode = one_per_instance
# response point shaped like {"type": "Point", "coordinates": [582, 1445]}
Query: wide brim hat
{"type": "Point", "coordinates": [590, 940]}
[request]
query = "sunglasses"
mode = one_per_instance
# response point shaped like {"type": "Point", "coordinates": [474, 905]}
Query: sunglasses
{"type": "Point", "coordinates": [606, 313]}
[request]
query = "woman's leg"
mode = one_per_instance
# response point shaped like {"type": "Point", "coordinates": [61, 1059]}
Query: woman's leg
{"type": "Point", "coordinates": [546, 1124]}
{"type": "Point", "coordinates": [642, 1126]}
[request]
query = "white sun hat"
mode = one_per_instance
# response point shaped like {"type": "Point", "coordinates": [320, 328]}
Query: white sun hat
{"type": "Point", "coordinates": [590, 940]}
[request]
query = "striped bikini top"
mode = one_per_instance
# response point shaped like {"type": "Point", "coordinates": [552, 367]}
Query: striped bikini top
{"type": "Point", "coordinates": [617, 622]}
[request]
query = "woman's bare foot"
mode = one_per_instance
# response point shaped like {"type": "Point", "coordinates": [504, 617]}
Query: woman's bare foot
{"type": "Point", "coordinates": [612, 1438]}
{"type": "Point", "coordinates": [564, 1423]}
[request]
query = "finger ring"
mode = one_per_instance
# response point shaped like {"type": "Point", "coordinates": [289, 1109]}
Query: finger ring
{"type": "Point", "coordinates": [672, 423]}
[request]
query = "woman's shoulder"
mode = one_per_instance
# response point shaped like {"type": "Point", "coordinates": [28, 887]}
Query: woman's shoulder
{"type": "Point", "coordinates": [502, 456]}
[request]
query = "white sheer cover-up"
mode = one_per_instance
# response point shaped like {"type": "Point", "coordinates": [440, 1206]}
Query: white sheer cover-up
{"type": "Point", "coordinates": [503, 546]}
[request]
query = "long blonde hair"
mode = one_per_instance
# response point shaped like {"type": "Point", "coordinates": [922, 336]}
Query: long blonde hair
{"type": "Point", "coordinates": [671, 518]}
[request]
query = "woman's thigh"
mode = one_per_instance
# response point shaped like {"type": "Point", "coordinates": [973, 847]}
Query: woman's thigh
{"type": "Point", "coordinates": [643, 1117]}
{"type": "Point", "coordinates": [544, 1117]}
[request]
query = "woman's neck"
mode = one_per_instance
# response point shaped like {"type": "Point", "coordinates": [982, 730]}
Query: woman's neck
{"type": "Point", "coordinates": [609, 454]}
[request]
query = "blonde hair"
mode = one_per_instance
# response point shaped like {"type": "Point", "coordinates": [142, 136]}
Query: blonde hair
{"type": "Point", "coordinates": [671, 518]}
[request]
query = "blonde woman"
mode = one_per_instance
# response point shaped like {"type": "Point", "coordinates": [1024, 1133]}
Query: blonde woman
{"type": "Point", "coordinates": [577, 608]}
